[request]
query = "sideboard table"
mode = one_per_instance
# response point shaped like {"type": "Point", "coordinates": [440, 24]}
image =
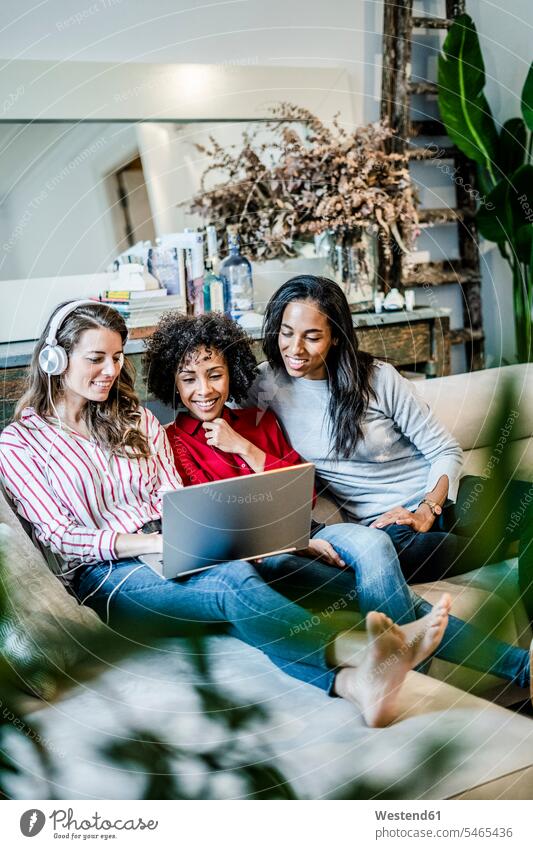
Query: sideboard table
{"type": "Point", "coordinates": [417, 340]}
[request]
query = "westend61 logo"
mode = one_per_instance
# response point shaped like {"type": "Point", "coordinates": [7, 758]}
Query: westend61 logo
{"type": "Point", "coordinates": [66, 825]}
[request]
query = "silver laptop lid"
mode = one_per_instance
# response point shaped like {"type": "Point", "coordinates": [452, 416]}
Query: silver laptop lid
{"type": "Point", "coordinates": [237, 519]}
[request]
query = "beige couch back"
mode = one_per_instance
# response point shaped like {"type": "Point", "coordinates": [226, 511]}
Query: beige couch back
{"type": "Point", "coordinates": [465, 403]}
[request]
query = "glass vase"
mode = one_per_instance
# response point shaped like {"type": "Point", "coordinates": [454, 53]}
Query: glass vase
{"type": "Point", "coordinates": [356, 260]}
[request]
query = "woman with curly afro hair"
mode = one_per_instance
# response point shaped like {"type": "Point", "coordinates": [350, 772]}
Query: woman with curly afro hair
{"type": "Point", "coordinates": [211, 361]}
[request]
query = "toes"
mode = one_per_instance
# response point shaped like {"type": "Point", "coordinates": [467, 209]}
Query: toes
{"type": "Point", "coordinates": [375, 622]}
{"type": "Point", "coordinates": [445, 601]}
{"type": "Point", "coordinates": [438, 620]}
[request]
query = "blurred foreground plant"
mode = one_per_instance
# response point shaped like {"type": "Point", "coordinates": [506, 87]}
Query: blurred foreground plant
{"type": "Point", "coordinates": [54, 661]}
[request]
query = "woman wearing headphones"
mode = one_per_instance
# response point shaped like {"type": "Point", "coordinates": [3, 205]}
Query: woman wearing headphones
{"type": "Point", "coordinates": [87, 467]}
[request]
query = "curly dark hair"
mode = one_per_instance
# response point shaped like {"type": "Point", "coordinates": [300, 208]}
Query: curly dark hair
{"type": "Point", "coordinates": [177, 336]}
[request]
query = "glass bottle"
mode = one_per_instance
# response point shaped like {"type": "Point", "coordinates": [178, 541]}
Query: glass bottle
{"type": "Point", "coordinates": [236, 271]}
{"type": "Point", "coordinates": [214, 290]}
{"type": "Point", "coordinates": [195, 270]}
{"type": "Point", "coordinates": [163, 265]}
{"type": "Point", "coordinates": [212, 247]}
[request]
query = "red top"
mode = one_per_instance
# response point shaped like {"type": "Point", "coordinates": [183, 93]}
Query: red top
{"type": "Point", "coordinates": [197, 462]}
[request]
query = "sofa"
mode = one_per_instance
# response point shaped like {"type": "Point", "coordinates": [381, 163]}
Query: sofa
{"type": "Point", "coordinates": [321, 744]}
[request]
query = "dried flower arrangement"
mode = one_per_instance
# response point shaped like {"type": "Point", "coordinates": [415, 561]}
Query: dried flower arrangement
{"type": "Point", "coordinates": [306, 180]}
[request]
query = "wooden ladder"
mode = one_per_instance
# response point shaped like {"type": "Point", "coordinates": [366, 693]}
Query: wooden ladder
{"type": "Point", "coordinates": [396, 89]}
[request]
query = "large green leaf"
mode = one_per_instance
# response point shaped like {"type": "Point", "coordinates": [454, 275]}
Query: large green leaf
{"type": "Point", "coordinates": [463, 106]}
{"type": "Point", "coordinates": [511, 146]}
{"type": "Point", "coordinates": [507, 209]}
{"type": "Point", "coordinates": [493, 217]}
{"type": "Point", "coordinates": [521, 196]}
{"type": "Point", "coordinates": [527, 99]}
{"type": "Point", "coordinates": [523, 242]}
{"type": "Point", "coordinates": [520, 199]}
{"type": "Point", "coordinates": [483, 181]}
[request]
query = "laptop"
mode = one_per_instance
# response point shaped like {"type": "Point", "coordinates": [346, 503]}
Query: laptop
{"type": "Point", "coordinates": [240, 518]}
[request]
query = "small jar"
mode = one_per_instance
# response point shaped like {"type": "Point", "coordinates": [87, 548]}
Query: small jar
{"type": "Point", "coordinates": [409, 300]}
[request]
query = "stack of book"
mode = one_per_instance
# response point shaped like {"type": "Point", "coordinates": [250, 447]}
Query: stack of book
{"type": "Point", "coordinates": [142, 308]}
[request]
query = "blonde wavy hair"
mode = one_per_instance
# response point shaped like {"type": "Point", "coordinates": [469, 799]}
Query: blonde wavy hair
{"type": "Point", "coordinates": [113, 423]}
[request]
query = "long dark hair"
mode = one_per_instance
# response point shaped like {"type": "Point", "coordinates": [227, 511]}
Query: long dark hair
{"type": "Point", "coordinates": [348, 369]}
{"type": "Point", "coordinates": [113, 423]}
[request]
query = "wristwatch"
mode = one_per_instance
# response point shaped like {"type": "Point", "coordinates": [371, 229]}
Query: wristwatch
{"type": "Point", "coordinates": [434, 506]}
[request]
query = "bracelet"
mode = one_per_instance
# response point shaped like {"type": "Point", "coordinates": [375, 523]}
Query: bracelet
{"type": "Point", "coordinates": [434, 506]}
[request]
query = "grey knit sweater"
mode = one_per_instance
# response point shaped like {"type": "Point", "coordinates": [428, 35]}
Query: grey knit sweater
{"type": "Point", "coordinates": [404, 452]}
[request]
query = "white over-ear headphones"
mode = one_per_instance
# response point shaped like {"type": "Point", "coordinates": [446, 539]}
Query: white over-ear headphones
{"type": "Point", "coordinates": [53, 358]}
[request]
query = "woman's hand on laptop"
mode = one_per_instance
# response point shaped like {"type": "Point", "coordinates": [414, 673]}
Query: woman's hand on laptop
{"type": "Point", "coordinates": [133, 545]}
{"type": "Point", "coordinates": [321, 549]}
{"type": "Point", "coordinates": [156, 543]}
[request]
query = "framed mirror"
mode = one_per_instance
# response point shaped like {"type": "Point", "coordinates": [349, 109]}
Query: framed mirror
{"type": "Point", "coordinates": [96, 157]}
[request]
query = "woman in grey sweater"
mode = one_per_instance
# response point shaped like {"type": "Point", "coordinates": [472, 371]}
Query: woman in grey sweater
{"type": "Point", "coordinates": [375, 444]}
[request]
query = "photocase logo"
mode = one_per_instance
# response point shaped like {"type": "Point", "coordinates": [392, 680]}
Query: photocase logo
{"type": "Point", "coordinates": [32, 822]}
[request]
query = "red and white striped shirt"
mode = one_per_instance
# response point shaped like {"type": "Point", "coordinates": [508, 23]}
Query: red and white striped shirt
{"type": "Point", "coordinates": [77, 496]}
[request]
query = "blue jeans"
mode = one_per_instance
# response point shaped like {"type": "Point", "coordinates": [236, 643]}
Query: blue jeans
{"type": "Point", "coordinates": [380, 585]}
{"type": "Point", "coordinates": [131, 596]}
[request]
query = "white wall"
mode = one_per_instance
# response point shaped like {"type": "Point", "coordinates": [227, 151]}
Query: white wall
{"type": "Point", "coordinates": [57, 217]}
{"type": "Point", "coordinates": [300, 32]}
{"type": "Point", "coordinates": [173, 167]}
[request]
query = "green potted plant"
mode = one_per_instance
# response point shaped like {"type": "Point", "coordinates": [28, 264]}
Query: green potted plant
{"type": "Point", "coordinates": [504, 162]}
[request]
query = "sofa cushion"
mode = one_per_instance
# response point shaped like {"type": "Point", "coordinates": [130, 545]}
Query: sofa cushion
{"type": "Point", "coordinates": [325, 510]}
{"type": "Point", "coordinates": [517, 785]}
{"type": "Point", "coordinates": [465, 403]}
{"type": "Point", "coordinates": [38, 605]}
{"type": "Point", "coordinates": [521, 458]}
{"type": "Point", "coordinates": [501, 580]}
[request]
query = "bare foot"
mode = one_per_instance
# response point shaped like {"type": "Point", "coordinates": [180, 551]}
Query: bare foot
{"type": "Point", "coordinates": [374, 685]}
{"type": "Point", "coordinates": [424, 635]}
{"type": "Point", "coordinates": [392, 651]}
